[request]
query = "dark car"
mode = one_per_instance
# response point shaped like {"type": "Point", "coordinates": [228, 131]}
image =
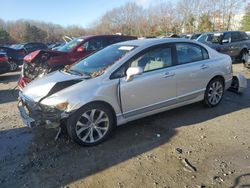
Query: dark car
{"type": "Point", "coordinates": [232, 43]}
{"type": "Point", "coordinates": [4, 64]}
{"type": "Point", "coordinates": [30, 46]}
{"type": "Point", "coordinates": [42, 62]}
{"type": "Point", "coordinates": [15, 57]}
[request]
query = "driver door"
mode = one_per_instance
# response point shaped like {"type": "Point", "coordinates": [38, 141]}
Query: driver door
{"type": "Point", "coordinates": [155, 87]}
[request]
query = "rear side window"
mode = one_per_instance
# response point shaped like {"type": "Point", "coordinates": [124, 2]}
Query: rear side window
{"type": "Point", "coordinates": [235, 37]}
{"type": "Point", "coordinates": [187, 53]}
{"type": "Point", "coordinates": [243, 36]}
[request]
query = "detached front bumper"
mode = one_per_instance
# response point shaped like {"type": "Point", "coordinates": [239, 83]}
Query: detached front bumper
{"type": "Point", "coordinates": [33, 115]}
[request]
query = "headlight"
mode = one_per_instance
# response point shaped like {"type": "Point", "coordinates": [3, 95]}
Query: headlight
{"type": "Point", "coordinates": [47, 108]}
{"type": "Point", "coordinates": [52, 105]}
{"type": "Point", "coordinates": [62, 106]}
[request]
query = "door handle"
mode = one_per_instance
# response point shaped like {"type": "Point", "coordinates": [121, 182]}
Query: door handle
{"type": "Point", "coordinates": [168, 74]}
{"type": "Point", "coordinates": [204, 66]}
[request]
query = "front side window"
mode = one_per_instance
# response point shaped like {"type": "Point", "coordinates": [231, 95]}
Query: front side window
{"type": "Point", "coordinates": [187, 53]}
{"type": "Point", "coordinates": [154, 59]}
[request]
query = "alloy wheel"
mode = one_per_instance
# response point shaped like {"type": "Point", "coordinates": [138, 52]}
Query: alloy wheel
{"type": "Point", "coordinates": [215, 92]}
{"type": "Point", "coordinates": [92, 126]}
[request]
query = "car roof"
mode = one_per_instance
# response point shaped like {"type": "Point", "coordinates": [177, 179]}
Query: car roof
{"type": "Point", "coordinates": [152, 41]}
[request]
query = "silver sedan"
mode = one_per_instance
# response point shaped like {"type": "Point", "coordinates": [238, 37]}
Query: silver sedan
{"type": "Point", "coordinates": [124, 82]}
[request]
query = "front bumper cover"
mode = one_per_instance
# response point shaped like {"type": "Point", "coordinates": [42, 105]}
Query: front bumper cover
{"type": "Point", "coordinates": [33, 115]}
{"type": "Point", "coordinates": [239, 84]}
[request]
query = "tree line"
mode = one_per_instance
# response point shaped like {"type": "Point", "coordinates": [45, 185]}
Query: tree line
{"type": "Point", "coordinates": [185, 16]}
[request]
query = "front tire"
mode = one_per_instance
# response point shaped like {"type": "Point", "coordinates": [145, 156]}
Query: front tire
{"type": "Point", "coordinates": [214, 92]}
{"type": "Point", "coordinates": [91, 125]}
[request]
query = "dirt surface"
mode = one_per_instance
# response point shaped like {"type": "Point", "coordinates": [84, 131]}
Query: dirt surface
{"type": "Point", "coordinates": [192, 146]}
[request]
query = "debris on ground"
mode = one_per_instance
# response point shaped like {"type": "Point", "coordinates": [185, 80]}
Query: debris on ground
{"type": "Point", "coordinates": [188, 166]}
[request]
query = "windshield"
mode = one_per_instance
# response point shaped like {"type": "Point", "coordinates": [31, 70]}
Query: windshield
{"type": "Point", "coordinates": [97, 63]}
{"type": "Point", "coordinates": [70, 45]}
{"type": "Point", "coordinates": [17, 46]}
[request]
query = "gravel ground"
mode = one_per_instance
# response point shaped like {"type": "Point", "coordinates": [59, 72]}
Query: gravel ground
{"type": "Point", "coordinates": [192, 146]}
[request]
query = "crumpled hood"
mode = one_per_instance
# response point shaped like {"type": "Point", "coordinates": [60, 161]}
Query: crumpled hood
{"type": "Point", "coordinates": [43, 54]}
{"type": "Point", "coordinates": [50, 84]}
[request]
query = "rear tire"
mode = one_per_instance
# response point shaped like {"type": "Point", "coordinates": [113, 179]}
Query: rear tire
{"type": "Point", "coordinates": [214, 92]}
{"type": "Point", "coordinates": [91, 125]}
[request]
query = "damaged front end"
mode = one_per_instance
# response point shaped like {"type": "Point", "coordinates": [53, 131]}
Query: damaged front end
{"type": "Point", "coordinates": [35, 105]}
{"type": "Point", "coordinates": [36, 64]}
{"type": "Point", "coordinates": [34, 114]}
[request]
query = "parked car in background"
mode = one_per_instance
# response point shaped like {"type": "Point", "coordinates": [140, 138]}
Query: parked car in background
{"type": "Point", "coordinates": [30, 46]}
{"type": "Point", "coordinates": [209, 37]}
{"type": "Point", "coordinates": [54, 45]}
{"type": "Point", "coordinates": [194, 36]}
{"type": "Point", "coordinates": [232, 43]}
{"type": "Point", "coordinates": [4, 64]}
{"type": "Point", "coordinates": [124, 82]}
{"type": "Point", "coordinates": [41, 62]}
{"type": "Point", "coordinates": [15, 57]}
{"type": "Point", "coordinates": [248, 34]}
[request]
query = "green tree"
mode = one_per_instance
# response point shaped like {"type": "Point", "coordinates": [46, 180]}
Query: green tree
{"type": "Point", "coordinates": [4, 36]}
{"type": "Point", "coordinates": [246, 19]}
{"type": "Point", "coordinates": [205, 23]}
{"type": "Point", "coordinates": [34, 34]}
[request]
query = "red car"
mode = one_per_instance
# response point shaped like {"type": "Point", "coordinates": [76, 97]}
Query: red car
{"type": "Point", "coordinates": [41, 62]}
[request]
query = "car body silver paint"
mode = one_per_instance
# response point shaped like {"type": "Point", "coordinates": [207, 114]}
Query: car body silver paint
{"type": "Point", "coordinates": [104, 89]}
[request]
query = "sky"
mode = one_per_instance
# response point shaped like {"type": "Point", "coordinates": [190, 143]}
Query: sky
{"type": "Point", "coordinates": [64, 12]}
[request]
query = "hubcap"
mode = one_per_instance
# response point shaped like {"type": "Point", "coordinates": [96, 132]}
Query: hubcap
{"type": "Point", "coordinates": [215, 93]}
{"type": "Point", "coordinates": [92, 126]}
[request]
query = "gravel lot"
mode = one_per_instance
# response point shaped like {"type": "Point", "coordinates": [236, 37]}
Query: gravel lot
{"type": "Point", "coordinates": [192, 146]}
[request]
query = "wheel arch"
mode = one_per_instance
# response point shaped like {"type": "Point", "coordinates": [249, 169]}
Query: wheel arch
{"type": "Point", "coordinates": [217, 77]}
{"type": "Point", "coordinates": [104, 103]}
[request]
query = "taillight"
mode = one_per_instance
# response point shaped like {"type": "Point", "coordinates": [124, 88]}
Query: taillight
{"type": "Point", "coordinates": [3, 59]}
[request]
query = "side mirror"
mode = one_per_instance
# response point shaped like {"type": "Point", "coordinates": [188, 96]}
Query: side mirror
{"type": "Point", "coordinates": [132, 71]}
{"type": "Point", "coordinates": [224, 41]}
{"type": "Point", "coordinates": [80, 49]}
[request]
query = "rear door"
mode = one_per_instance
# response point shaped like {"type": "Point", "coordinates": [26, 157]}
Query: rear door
{"type": "Point", "coordinates": [192, 72]}
{"type": "Point", "coordinates": [153, 89]}
{"type": "Point", "coordinates": [236, 44]}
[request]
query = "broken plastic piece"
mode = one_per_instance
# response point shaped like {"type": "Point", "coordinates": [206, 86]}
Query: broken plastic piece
{"type": "Point", "coordinates": [239, 84]}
